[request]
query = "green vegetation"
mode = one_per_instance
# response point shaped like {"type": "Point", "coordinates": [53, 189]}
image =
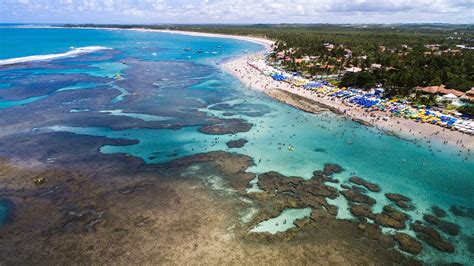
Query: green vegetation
{"type": "Point", "coordinates": [398, 49]}
{"type": "Point", "coordinates": [467, 109]}
{"type": "Point", "coordinates": [396, 56]}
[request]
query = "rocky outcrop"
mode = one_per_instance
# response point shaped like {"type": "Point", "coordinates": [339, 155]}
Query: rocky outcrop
{"type": "Point", "coordinates": [400, 200]}
{"type": "Point", "coordinates": [438, 211]}
{"type": "Point", "coordinates": [449, 227]}
{"type": "Point", "coordinates": [299, 102]}
{"type": "Point", "coordinates": [432, 237]}
{"type": "Point", "coordinates": [373, 231]}
{"type": "Point", "coordinates": [354, 195]}
{"type": "Point", "coordinates": [430, 219]}
{"type": "Point", "coordinates": [227, 127]}
{"type": "Point", "coordinates": [239, 143]}
{"type": "Point", "coordinates": [361, 182]}
{"type": "Point", "coordinates": [443, 225]}
{"type": "Point", "coordinates": [361, 210]}
{"type": "Point", "coordinates": [301, 222]}
{"type": "Point", "coordinates": [390, 217]}
{"type": "Point", "coordinates": [329, 169]}
{"type": "Point", "coordinates": [462, 211]}
{"type": "Point", "coordinates": [408, 243]}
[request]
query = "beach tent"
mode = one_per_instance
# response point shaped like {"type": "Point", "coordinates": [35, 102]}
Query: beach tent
{"type": "Point", "coordinates": [449, 97]}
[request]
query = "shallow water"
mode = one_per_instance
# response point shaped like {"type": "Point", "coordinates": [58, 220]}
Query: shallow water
{"type": "Point", "coordinates": [4, 209]}
{"type": "Point", "coordinates": [8, 104]}
{"type": "Point", "coordinates": [181, 91]}
{"type": "Point", "coordinates": [282, 222]}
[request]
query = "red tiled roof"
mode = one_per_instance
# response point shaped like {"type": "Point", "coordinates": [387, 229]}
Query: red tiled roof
{"type": "Point", "coordinates": [470, 92]}
{"type": "Point", "coordinates": [440, 89]}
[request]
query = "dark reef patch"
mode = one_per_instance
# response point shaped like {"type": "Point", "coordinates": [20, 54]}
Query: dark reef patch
{"type": "Point", "coordinates": [400, 200]}
{"type": "Point", "coordinates": [354, 195]}
{"type": "Point", "coordinates": [68, 150]}
{"type": "Point", "coordinates": [462, 211]}
{"type": "Point", "coordinates": [232, 126]}
{"type": "Point", "coordinates": [360, 181]}
{"type": "Point", "coordinates": [438, 211]}
{"type": "Point", "coordinates": [239, 143]}
{"type": "Point", "coordinates": [408, 243]}
{"type": "Point", "coordinates": [432, 237]}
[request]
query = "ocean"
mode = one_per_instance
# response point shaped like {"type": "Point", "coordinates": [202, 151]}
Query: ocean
{"type": "Point", "coordinates": [164, 87]}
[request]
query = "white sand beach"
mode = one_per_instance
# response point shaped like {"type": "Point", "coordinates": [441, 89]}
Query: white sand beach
{"type": "Point", "coordinates": [254, 79]}
{"type": "Point", "coordinates": [404, 128]}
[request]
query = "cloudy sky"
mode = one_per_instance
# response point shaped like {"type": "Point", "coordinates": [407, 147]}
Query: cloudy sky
{"type": "Point", "coordinates": [236, 11]}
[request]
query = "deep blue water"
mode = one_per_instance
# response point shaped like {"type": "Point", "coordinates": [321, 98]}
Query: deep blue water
{"type": "Point", "coordinates": [164, 84]}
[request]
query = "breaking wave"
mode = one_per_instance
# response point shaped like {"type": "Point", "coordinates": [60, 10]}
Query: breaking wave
{"type": "Point", "coordinates": [73, 52]}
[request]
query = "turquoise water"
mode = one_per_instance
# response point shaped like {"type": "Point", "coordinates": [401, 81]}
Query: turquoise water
{"type": "Point", "coordinates": [79, 86]}
{"type": "Point", "coordinates": [185, 89]}
{"type": "Point", "coordinates": [144, 117]}
{"type": "Point", "coordinates": [282, 222]}
{"type": "Point", "coordinates": [4, 85]}
{"type": "Point", "coordinates": [3, 213]}
{"type": "Point", "coordinates": [8, 104]}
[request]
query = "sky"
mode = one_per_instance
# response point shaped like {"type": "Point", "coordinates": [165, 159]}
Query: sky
{"type": "Point", "coordinates": [236, 11]}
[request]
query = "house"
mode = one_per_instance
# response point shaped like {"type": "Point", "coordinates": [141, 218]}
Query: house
{"type": "Point", "coordinates": [376, 66]}
{"type": "Point", "coordinates": [441, 90]}
{"type": "Point", "coordinates": [469, 95]}
{"type": "Point", "coordinates": [432, 47]}
{"type": "Point", "coordinates": [354, 69]}
{"type": "Point", "coordinates": [327, 67]}
{"type": "Point", "coordinates": [329, 46]}
{"type": "Point", "coordinates": [299, 60]}
{"type": "Point", "coordinates": [451, 98]}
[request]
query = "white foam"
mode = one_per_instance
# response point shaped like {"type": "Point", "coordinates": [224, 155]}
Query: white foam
{"type": "Point", "coordinates": [71, 53]}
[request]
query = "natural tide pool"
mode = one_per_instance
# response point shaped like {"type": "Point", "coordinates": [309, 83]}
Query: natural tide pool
{"type": "Point", "coordinates": [282, 222]}
{"type": "Point", "coordinates": [4, 212]}
{"type": "Point", "coordinates": [169, 94]}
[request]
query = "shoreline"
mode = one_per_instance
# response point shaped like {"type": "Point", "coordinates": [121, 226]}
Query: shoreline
{"type": "Point", "coordinates": [254, 79]}
{"type": "Point", "coordinates": [265, 42]}
{"type": "Point", "coordinates": [400, 127]}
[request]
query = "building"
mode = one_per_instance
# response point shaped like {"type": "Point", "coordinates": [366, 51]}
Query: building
{"type": "Point", "coordinates": [440, 90]}
{"type": "Point", "coordinates": [469, 95]}
{"type": "Point", "coordinates": [354, 69]}
{"type": "Point", "coordinates": [374, 66]}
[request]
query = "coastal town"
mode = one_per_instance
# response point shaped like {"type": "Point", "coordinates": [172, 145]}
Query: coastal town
{"type": "Point", "coordinates": [442, 114]}
{"type": "Point", "coordinates": [295, 146]}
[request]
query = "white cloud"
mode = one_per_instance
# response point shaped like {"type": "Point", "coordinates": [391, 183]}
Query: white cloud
{"type": "Point", "coordinates": [237, 11]}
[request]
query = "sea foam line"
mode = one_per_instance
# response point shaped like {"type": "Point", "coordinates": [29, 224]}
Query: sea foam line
{"type": "Point", "coordinates": [73, 52]}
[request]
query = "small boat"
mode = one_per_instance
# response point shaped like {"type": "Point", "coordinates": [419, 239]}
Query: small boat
{"type": "Point", "coordinates": [118, 76]}
{"type": "Point", "coordinates": [187, 49]}
{"type": "Point", "coordinates": [199, 51]}
{"type": "Point", "coordinates": [246, 51]}
{"type": "Point", "coordinates": [291, 147]}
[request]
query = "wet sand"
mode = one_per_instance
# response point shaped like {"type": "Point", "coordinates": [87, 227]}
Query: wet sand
{"type": "Point", "coordinates": [252, 78]}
